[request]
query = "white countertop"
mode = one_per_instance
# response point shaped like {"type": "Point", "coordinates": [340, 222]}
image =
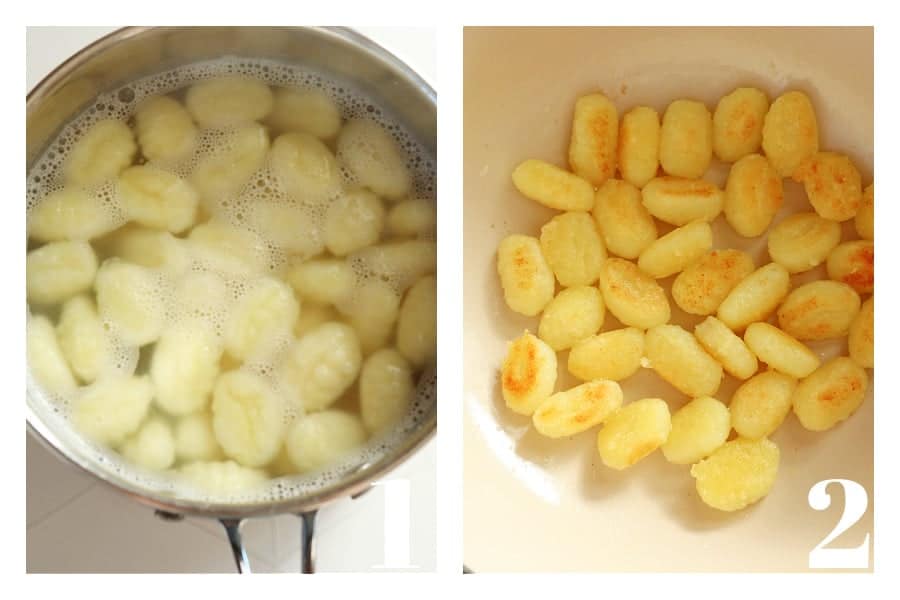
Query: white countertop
{"type": "Point", "coordinates": [75, 524]}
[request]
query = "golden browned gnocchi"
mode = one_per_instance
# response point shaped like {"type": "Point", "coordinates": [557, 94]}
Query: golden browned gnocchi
{"type": "Point", "coordinates": [853, 263]}
{"type": "Point", "coordinates": [374, 157]}
{"type": "Point", "coordinates": [572, 246]}
{"type": "Point", "coordinates": [780, 351]}
{"type": "Point", "coordinates": [753, 194]}
{"type": "Point", "coordinates": [527, 280]}
{"type": "Point", "coordinates": [819, 310]}
{"type": "Point", "coordinates": [865, 216]}
{"type": "Point", "coordinates": [672, 252]}
{"type": "Point", "coordinates": [702, 286]}
{"type": "Point", "coordinates": [755, 297]}
{"type": "Point", "coordinates": [311, 111]}
{"type": "Point", "coordinates": [70, 214]}
{"type": "Point", "coordinates": [632, 296]}
{"type": "Point", "coordinates": [832, 183]}
{"type": "Point", "coordinates": [738, 123]}
{"type": "Point", "coordinates": [59, 270]}
{"type": "Point", "coordinates": [761, 404]}
{"type": "Point", "coordinates": [726, 347]}
{"type": "Point", "coordinates": [679, 201]}
{"type": "Point", "coordinates": [790, 132]}
{"type": "Point", "coordinates": [614, 355]}
{"type": "Point", "coordinates": [157, 198]}
{"type": "Point", "coordinates": [638, 152]}
{"type": "Point", "coordinates": [100, 154]}
{"type": "Point", "coordinates": [685, 139]}
{"type": "Point", "coordinates": [831, 394]}
{"type": "Point", "coordinates": [698, 428]}
{"type": "Point", "coordinates": [417, 322]}
{"type": "Point", "coordinates": [578, 409]}
{"type": "Point", "coordinates": [229, 100]}
{"type": "Point", "coordinates": [553, 187]}
{"type": "Point", "coordinates": [803, 241]}
{"type": "Point", "coordinates": [528, 374]}
{"type": "Point", "coordinates": [575, 314]}
{"type": "Point", "coordinates": [861, 339]}
{"type": "Point", "coordinates": [595, 132]}
{"type": "Point", "coordinates": [165, 131]}
{"type": "Point", "coordinates": [633, 432]}
{"type": "Point", "coordinates": [625, 225]}
{"type": "Point", "coordinates": [678, 357]}
{"type": "Point", "coordinates": [738, 474]}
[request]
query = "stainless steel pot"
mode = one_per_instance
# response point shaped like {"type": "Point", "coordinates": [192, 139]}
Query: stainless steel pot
{"type": "Point", "coordinates": [134, 52]}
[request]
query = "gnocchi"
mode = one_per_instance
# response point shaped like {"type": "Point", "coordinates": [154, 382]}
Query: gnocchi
{"type": "Point", "coordinates": [111, 409]}
{"type": "Point", "coordinates": [575, 314]}
{"type": "Point", "coordinates": [679, 201]}
{"type": "Point", "coordinates": [372, 313]}
{"type": "Point", "coordinates": [638, 151]}
{"type": "Point", "coordinates": [264, 316]}
{"type": "Point", "coordinates": [553, 187]}
{"type": "Point", "coordinates": [59, 270]}
{"type": "Point", "coordinates": [402, 263]}
{"type": "Point", "coordinates": [412, 218]}
{"type": "Point", "coordinates": [227, 101]}
{"type": "Point", "coordinates": [375, 158]}
{"type": "Point", "coordinates": [70, 214]}
{"type": "Point", "coordinates": [780, 351]}
{"type": "Point", "coordinates": [83, 339]}
{"type": "Point", "coordinates": [861, 338]}
{"type": "Point", "coordinates": [319, 439]}
{"type": "Point", "coordinates": [703, 285]}
{"type": "Point", "coordinates": [165, 131]}
{"type": "Point", "coordinates": [195, 439]}
{"type": "Point", "coordinates": [633, 432]}
{"type": "Point", "coordinates": [325, 280]}
{"type": "Point", "coordinates": [790, 132]}
{"type": "Point", "coordinates": [149, 248]}
{"type": "Point", "coordinates": [417, 323]}
{"type": "Point", "coordinates": [698, 429]}
{"type": "Point", "coordinates": [632, 296]}
{"type": "Point", "coordinates": [755, 297]}
{"type": "Point", "coordinates": [595, 132]}
{"type": "Point", "coordinates": [287, 226]}
{"type": "Point", "coordinates": [152, 447]}
{"type": "Point", "coordinates": [761, 404]}
{"type": "Point", "coordinates": [353, 221]}
{"type": "Point", "coordinates": [312, 316]}
{"type": "Point", "coordinates": [385, 388]}
{"type": "Point", "coordinates": [738, 123]}
{"type": "Point", "coordinates": [310, 111]}
{"type": "Point", "coordinates": [832, 183]}
{"type": "Point", "coordinates": [803, 241]}
{"type": "Point", "coordinates": [726, 347]}
{"type": "Point", "coordinates": [864, 221]}
{"type": "Point", "coordinates": [624, 223]}
{"type": "Point", "coordinates": [127, 299]}
{"type": "Point", "coordinates": [819, 310]}
{"type": "Point", "coordinates": [223, 173]}
{"type": "Point", "coordinates": [528, 374]}
{"type": "Point", "coordinates": [853, 263]}
{"type": "Point", "coordinates": [677, 249]}
{"type": "Point", "coordinates": [305, 167]}
{"type": "Point", "coordinates": [527, 280]}
{"type": "Point", "coordinates": [100, 154]}
{"type": "Point", "coordinates": [738, 474]}
{"type": "Point", "coordinates": [686, 139]}
{"type": "Point", "coordinates": [184, 367]}
{"type": "Point", "coordinates": [614, 355]}
{"type": "Point", "coordinates": [830, 394]}
{"type": "Point", "coordinates": [46, 359]}
{"type": "Point", "coordinates": [222, 477]}
{"type": "Point", "coordinates": [678, 357]}
{"type": "Point", "coordinates": [228, 249]}
{"type": "Point", "coordinates": [322, 365]}
{"type": "Point", "coordinates": [247, 418]}
{"type": "Point", "coordinates": [570, 412]}
{"type": "Point", "coordinates": [753, 195]}
{"type": "Point", "coordinates": [157, 198]}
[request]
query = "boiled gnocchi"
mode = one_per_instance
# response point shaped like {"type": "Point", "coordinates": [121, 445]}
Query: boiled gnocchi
{"type": "Point", "coordinates": [221, 174]}
{"type": "Point", "coordinates": [129, 300]}
{"type": "Point", "coordinates": [322, 365]}
{"type": "Point", "coordinates": [111, 409]}
{"type": "Point", "coordinates": [326, 280]}
{"type": "Point", "coordinates": [157, 198]}
{"type": "Point", "coordinates": [264, 316]}
{"type": "Point", "coordinates": [228, 249]}
{"type": "Point", "coordinates": [83, 339]}
{"type": "Point", "coordinates": [59, 270]}
{"type": "Point", "coordinates": [411, 218]}
{"type": "Point", "coordinates": [290, 227]}
{"type": "Point", "coordinates": [248, 418]}
{"type": "Point", "coordinates": [374, 158]}
{"type": "Point", "coordinates": [70, 214]}
{"type": "Point", "coordinates": [46, 359]}
{"type": "Point", "coordinates": [322, 438]}
{"type": "Point", "coordinates": [417, 323]}
{"type": "Point", "coordinates": [165, 130]}
{"type": "Point", "coordinates": [305, 167]}
{"type": "Point", "coordinates": [353, 221]}
{"type": "Point", "coordinates": [152, 447]}
{"type": "Point", "coordinates": [229, 100]}
{"type": "Point", "coordinates": [100, 154]}
{"type": "Point", "coordinates": [373, 313]}
{"type": "Point", "coordinates": [184, 367]}
{"type": "Point", "coordinates": [310, 111]}
{"type": "Point", "coordinates": [385, 388]}
{"type": "Point", "coordinates": [195, 439]}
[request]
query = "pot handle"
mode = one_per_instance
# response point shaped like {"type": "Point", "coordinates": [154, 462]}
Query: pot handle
{"type": "Point", "coordinates": [242, 561]}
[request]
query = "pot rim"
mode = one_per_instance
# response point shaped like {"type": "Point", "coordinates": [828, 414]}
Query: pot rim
{"type": "Point", "coordinates": [359, 479]}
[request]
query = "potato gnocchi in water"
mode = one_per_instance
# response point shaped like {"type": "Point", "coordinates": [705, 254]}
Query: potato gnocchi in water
{"type": "Point", "coordinates": [238, 239]}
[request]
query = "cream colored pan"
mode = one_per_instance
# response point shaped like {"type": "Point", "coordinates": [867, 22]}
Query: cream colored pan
{"type": "Point", "coordinates": [536, 504]}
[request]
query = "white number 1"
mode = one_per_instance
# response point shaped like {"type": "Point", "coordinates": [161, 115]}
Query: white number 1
{"type": "Point", "coordinates": [396, 524]}
{"type": "Point", "coordinates": [856, 501]}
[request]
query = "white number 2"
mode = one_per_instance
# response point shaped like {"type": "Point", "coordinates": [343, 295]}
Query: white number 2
{"type": "Point", "coordinates": [856, 501]}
